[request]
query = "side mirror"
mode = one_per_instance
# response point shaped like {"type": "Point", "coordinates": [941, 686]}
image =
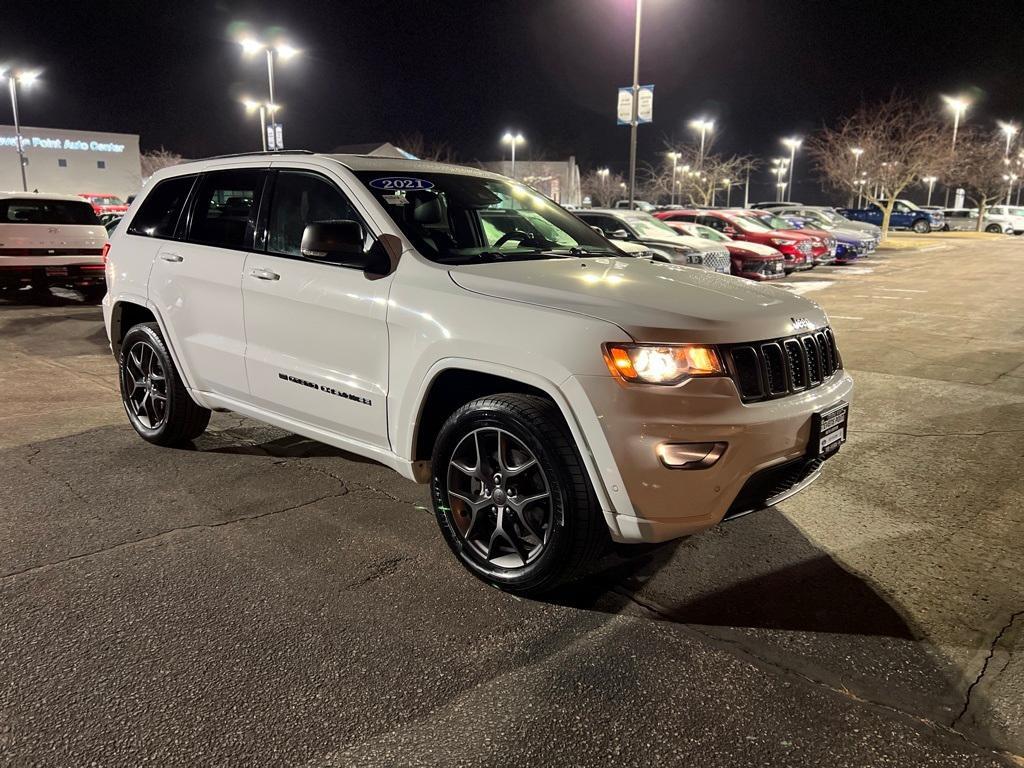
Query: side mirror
{"type": "Point", "coordinates": [618, 234]}
{"type": "Point", "coordinates": [730, 231]}
{"type": "Point", "coordinates": [597, 229]}
{"type": "Point", "coordinates": [341, 242]}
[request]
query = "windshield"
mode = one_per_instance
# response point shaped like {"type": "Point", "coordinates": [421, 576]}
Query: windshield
{"type": "Point", "coordinates": [42, 211]}
{"type": "Point", "coordinates": [1017, 211]}
{"type": "Point", "coordinates": [832, 217]}
{"type": "Point", "coordinates": [106, 200]}
{"type": "Point", "coordinates": [709, 234]}
{"type": "Point", "coordinates": [648, 226]}
{"type": "Point", "coordinates": [455, 218]}
{"type": "Point", "coordinates": [748, 224]}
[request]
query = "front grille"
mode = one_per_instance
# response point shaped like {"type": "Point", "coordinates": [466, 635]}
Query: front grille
{"type": "Point", "coordinates": [719, 262]}
{"type": "Point", "coordinates": [770, 369]}
{"type": "Point", "coordinates": [769, 483]}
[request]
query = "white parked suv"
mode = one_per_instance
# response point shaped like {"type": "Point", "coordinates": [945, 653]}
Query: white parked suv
{"type": "Point", "coordinates": [462, 329]}
{"type": "Point", "coordinates": [50, 240]}
{"type": "Point", "coordinates": [1010, 217]}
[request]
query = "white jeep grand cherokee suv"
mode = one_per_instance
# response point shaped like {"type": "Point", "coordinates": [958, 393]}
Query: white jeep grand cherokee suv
{"type": "Point", "coordinates": [469, 333]}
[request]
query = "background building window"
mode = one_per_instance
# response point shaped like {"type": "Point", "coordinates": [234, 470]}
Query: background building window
{"type": "Point", "coordinates": [101, 163]}
{"type": "Point", "coordinates": [62, 163]}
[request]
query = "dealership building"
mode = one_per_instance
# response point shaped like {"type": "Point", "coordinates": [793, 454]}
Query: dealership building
{"type": "Point", "coordinates": [71, 162]}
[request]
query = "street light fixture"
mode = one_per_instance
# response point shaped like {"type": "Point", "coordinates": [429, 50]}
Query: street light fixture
{"type": "Point", "coordinates": [704, 126]}
{"type": "Point", "coordinates": [26, 78]}
{"type": "Point", "coordinates": [250, 47]}
{"type": "Point", "coordinates": [513, 139]}
{"type": "Point", "coordinates": [930, 181]}
{"type": "Point", "coordinates": [793, 144]}
{"type": "Point", "coordinates": [1011, 178]}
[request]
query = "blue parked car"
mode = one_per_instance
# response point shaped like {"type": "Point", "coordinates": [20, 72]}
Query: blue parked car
{"type": "Point", "coordinates": [850, 244]}
{"type": "Point", "coordinates": [905, 215]}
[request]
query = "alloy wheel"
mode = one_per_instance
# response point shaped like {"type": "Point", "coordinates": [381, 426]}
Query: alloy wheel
{"type": "Point", "coordinates": [499, 498]}
{"type": "Point", "coordinates": [145, 385]}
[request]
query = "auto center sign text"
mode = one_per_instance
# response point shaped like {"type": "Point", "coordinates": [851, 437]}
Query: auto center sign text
{"type": "Point", "coordinates": [41, 142]}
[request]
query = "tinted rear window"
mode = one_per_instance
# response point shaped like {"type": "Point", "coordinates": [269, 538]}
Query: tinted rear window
{"type": "Point", "coordinates": [30, 211]}
{"type": "Point", "coordinates": [159, 212]}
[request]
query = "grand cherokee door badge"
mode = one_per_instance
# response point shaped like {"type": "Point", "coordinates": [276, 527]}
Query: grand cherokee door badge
{"type": "Point", "coordinates": [328, 390]}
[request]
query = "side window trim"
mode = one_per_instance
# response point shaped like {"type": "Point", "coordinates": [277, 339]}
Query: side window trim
{"type": "Point", "coordinates": [267, 202]}
{"type": "Point", "coordinates": [181, 213]}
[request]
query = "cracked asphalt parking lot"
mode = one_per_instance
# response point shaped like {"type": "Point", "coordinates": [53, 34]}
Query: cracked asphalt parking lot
{"type": "Point", "coordinates": [267, 600]}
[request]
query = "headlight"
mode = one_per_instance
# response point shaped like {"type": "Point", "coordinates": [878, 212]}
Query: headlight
{"type": "Point", "coordinates": [662, 364]}
{"type": "Point", "coordinates": [782, 241]}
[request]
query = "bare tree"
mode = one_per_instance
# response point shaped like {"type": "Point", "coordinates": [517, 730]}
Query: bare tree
{"type": "Point", "coordinates": [158, 159]}
{"type": "Point", "coordinates": [902, 141]}
{"type": "Point", "coordinates": [979, 166]}
{"type": "Point", "coordinates": [697, 180]}
{"type": "Point", "coordinates": [603, 189]}
{"type": "Point", "coordinates": [416, 144]}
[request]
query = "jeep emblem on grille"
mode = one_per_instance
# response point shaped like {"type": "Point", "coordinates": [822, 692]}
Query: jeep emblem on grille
{"type": "Point", "coordinates": [802, 324]}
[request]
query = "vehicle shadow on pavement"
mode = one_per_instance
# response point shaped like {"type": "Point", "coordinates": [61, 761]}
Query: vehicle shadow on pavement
{"type": "Point", "coordinates": [781, 582]}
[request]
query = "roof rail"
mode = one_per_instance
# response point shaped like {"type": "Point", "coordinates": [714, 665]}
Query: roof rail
{"type": "Point", "coordinates": [261, 154]}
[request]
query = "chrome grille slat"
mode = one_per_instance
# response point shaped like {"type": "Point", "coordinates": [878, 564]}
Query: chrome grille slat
{"type": "Point", "coordinates": [766, 370]}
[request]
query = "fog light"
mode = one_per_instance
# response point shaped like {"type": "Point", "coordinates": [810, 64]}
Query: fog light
{"type": "Point", "coordinates": [690, 455]}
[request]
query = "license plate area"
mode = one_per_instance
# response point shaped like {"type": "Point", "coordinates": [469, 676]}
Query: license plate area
{"type": "Point", "coordinates": [828, 431]}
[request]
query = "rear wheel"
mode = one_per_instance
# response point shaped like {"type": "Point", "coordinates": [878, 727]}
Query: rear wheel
{"type": "Point", "coordinates": [155, 399]}
{"type": "Point", "coordinates": [994, 228]}
{"type": "Point", "coordinates": [512, 497]}
{"type": "Point", "coordinates": [922, 227]}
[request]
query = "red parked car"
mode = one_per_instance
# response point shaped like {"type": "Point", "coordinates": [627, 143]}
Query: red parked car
{"type": "Point", "coordinates": [796, 247]}
{"type": "Point", "coordinates": [824, 246]}
{"type": "Point", "coordinates": [749, 260]}
{"type": "Point", "coordinates": [103, 203]}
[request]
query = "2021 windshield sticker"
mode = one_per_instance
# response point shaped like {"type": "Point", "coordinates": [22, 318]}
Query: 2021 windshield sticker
{"type": "Point", "coordinates": [392, 183]}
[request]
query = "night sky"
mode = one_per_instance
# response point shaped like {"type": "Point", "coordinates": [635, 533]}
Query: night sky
{"type": "Point", "coordinates": [463, 72]}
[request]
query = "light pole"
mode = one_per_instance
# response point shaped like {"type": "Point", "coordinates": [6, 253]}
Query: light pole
{"type": "Point", "coordinates": [958, 106]}
{"type": "Point", "coordinates": [13, 78]}
{"type": "Point", "coordinates": [1010, 130]}
{"type": "Point", "coordinates": [857, 152]}
{"type": "Point", "coordinates": [794, 144]}
{"type": "Point", "coordinates": [674, 157]}
{"type": "Point", "coordinates": [782, 190]}
{"type": "Point", "coordinates": [728, 192]}
{"type": "Point", "coordinates": [746, 188]}
{"type": "Point", "coordinates": [635, 117]}
{"type": "Point", "coordinates": [702, 125]}
{"type": "Point", "coordinates": [603, 174]}
{"type": "Point", "coordinates": [284, 51]}
{"type": "Point", "coordinates": [1011, 178]}
{"type": "Point", "coordinates": [930, 181]}
{"type": "Point", "coordinates": [513, 139]}
{"type": "Point", "coordinates": [261, 107]}
{"type": "Point", "coordinates": [860, 190]}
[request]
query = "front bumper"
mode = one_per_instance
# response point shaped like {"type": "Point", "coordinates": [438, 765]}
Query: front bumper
{"type": "Point", "coordinates": [668, 503]}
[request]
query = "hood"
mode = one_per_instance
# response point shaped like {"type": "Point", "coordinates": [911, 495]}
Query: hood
{"type": "Point", "coordinates": [846, 235]}
{"type": "Point", "coordinates": [755, 248]}
{"type": "Point", "coordinates": [651, 301]}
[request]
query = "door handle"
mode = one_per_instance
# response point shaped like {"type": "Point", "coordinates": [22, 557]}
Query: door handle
{"type": "Point", "coordinates": [171, 257]}
{"type": "Point", "coordinates": [264, 274]}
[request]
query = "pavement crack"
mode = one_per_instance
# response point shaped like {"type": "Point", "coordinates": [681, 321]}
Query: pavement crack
{"type": "Point", "coordinates": [379, 570]}
{"type": "Point", "coordinates": [771, 667]}
{"type": "Point", "coordinates": [984, 667]}
{"type": "Point", "coordinates": [166, 534]}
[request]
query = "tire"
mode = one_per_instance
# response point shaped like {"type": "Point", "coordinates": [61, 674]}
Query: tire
{"type": "Point", "coordinates": [145, 365]}
{"type": "Point", "coordinates": [552, 529]}
{"type": "Point", "coordinates": [922, 227]}
{"type": "Point", "coordinates": [995, 228]}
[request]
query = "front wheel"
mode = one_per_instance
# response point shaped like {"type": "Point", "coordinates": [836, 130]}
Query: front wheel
{"type": "Point", "coordinates": [512, 497]}
{"type": "Point", "coordinates": [922, 227]}
{"type": "Point", "coordinates": [154, 396]}
{"type": "Point", "coordinates": [995, 228]}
